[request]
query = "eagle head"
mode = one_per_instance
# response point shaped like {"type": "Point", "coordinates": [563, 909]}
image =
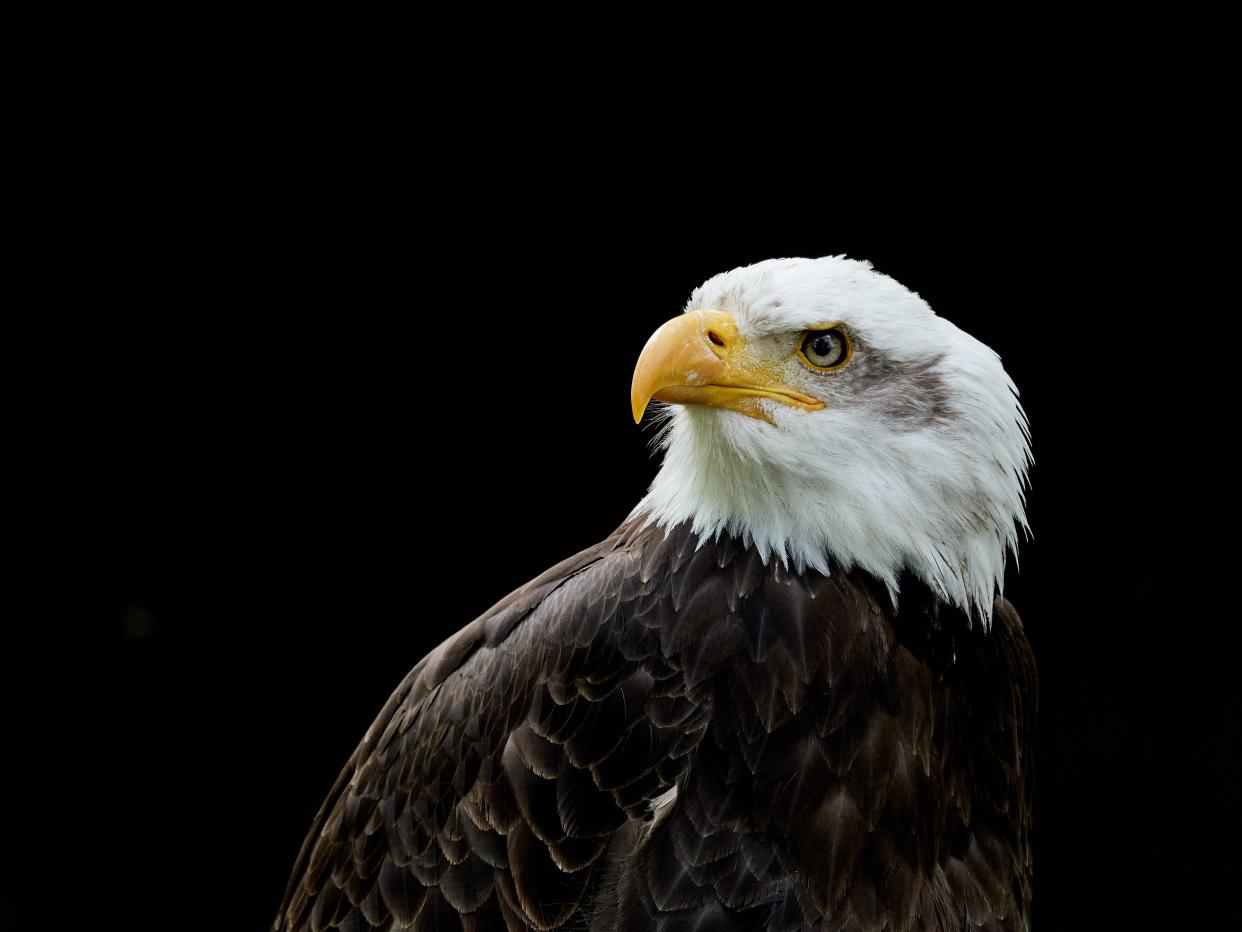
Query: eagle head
{"type": "Point", "coordinates": [824, 413]}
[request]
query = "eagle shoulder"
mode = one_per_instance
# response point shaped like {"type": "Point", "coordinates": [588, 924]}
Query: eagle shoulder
{"type": "Point", "coordinates": [499, 769]}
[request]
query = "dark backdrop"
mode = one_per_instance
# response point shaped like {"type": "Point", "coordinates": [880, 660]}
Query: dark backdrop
{"type": "Point", "coordinates": [331, 403]}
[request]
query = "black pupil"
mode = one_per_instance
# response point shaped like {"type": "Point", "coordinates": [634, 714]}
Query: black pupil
{"type": "Point", "coordinates": [823, 345]}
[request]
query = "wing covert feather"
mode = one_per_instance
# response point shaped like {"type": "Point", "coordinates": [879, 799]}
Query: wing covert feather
{"type": "Point", "coordinates": [492, 780]}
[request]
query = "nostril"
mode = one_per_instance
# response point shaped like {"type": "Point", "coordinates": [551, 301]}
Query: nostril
{"type": "Point", "coordinates": [715, 337]}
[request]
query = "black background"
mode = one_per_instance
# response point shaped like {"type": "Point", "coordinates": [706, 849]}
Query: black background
{"type": "Point", "coordinates": [338, 391]}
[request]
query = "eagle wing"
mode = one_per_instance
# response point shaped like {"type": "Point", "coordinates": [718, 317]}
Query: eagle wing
{"type": "Point", "coordinates": [494, 778]}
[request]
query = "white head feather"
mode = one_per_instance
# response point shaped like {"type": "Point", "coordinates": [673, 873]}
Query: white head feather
{"type": "Point", "coordinates": [918, 461]}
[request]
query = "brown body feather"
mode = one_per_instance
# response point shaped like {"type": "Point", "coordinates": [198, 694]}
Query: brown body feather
{"type": "Point", "coordinates": [839, 764]}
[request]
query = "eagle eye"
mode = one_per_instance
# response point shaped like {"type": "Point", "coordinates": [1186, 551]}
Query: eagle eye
{"type": "Point", "coordinates": [825, 349]}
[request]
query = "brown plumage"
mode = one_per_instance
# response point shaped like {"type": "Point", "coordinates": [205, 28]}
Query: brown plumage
{"type": "Point", "coordinates": [839, 764]}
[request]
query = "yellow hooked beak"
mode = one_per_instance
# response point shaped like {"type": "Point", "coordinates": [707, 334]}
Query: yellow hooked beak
{"type": "Point", "coordinates": [700, 358]}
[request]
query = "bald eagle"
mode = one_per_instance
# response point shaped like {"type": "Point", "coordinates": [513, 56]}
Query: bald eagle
{"type": "Point", "coordinates": [786, 693]}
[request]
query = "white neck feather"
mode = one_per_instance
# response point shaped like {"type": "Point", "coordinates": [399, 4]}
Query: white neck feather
{"type": "Point", "coordinates": [950, 519]}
